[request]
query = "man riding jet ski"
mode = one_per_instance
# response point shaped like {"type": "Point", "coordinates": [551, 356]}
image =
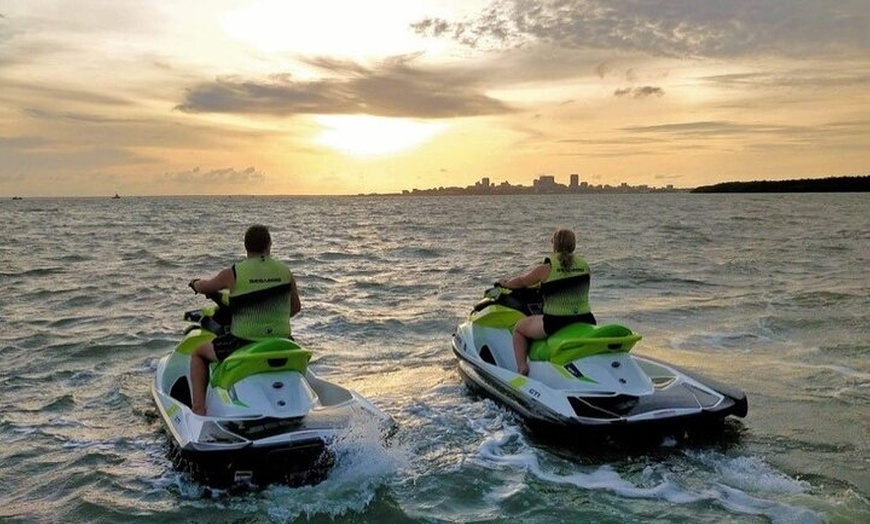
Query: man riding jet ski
{"type": "Point", "coordinates": [532, 344]}
{"type": "Point", "coordinates": [237, 395]}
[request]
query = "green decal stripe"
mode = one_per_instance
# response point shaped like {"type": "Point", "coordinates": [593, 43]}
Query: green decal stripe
{"type": "Point", "coordinates": [567, 374]}
{"type": "Point", "coordinates": [224, 395]}
{"type": "Point", "coordinates": [173, 409]}
{"type": "Point", "coordinates": [227, 399]}
{"type": "Point", "coordinates": [519, 382]}
{"type": "Point", "coordinates": [562, 371]}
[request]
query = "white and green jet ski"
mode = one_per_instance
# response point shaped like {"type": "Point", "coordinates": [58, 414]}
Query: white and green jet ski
{"type": "Point", "coordinates": [582, 377]}
{"type": "Point", "coordinates": [270, 419]}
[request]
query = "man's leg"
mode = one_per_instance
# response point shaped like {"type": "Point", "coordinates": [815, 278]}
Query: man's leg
{"type": "Point", "coordinates": [528, 328]}
{"type": "Point", "coordinates": [199, 361]}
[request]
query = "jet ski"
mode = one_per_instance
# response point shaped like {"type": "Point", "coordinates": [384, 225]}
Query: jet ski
{"type": "Point", "coordinates": [583, 378]}
{"type": "Point", "coordinates": [270, 418]}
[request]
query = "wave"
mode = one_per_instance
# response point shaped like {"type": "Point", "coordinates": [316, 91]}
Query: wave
{"type": "Point", "coordinates": [35, 272]}
{"type": "Point", "coordinates": [739, 486]}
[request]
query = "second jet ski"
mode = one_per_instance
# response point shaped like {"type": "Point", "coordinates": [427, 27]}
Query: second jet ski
{"type": "Point", "coordinates": [584, 378]}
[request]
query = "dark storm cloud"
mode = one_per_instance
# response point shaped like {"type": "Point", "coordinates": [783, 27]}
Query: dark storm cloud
{"type": "Point", "coordinates": [394, 88]}
{"type": "Point", "coordinates": [675, 28]}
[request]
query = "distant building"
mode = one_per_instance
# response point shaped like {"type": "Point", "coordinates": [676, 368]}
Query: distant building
{"type": "Point", "coordinates": [575, 182]}
{"type": "Point", "coordinates": [547, 184]}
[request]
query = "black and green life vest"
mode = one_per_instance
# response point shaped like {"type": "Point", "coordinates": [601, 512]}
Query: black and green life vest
{"type": "Point", "coordinates": [260, 300]}
{"type": "Point", "coordinates": [566, 290]}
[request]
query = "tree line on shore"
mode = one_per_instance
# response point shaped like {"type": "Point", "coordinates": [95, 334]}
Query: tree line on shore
{"type": "Point", "coordinates": [841, 184]}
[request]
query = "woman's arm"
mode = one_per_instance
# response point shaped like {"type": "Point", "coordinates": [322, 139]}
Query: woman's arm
{"type": "Point", "coordinates": [535, 276]}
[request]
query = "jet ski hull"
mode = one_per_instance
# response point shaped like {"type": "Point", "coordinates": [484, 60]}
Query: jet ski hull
{"type": "Point", "coordinates": [586, 381]}
{"type": "Point", "coordinates": [674, 412]}
{"type": "Point", "coordinates": [303, 463]}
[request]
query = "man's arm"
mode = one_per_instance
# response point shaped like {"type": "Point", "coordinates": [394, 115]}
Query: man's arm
{"type": "Point", "coordinates": [295, 303]}
{"type": "Point", "coordinates": [223, 280]}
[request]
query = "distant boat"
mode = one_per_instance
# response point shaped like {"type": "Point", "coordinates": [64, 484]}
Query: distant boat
{"type": "Point", "coordinates": [116, 196]}
{"type": "Point", "coordinates": [17, 198]}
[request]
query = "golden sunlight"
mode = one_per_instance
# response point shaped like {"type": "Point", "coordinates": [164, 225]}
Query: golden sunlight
{"type": "Point", "coordinates": [357, 30]}
{"type": "Point", "coordinates": [364, 135]}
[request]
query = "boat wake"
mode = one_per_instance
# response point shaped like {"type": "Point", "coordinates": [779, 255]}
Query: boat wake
{"type": "Point", "coordinates": [738, 485]}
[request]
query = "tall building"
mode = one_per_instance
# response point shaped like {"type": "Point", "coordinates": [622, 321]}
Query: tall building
{"type": "Point", "coordinates": [575, 181]}
{"type": "Point", "coordinates": [546, 184]}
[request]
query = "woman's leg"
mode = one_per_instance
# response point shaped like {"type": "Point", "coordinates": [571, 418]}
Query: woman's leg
{"type": "Point", "coordinates": [531, 327]}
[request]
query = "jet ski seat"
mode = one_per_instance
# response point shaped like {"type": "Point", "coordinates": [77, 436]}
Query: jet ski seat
{"type": "Point", "coordinates": [274, 354]}
{"type": "Point", "coordinates": [582, 340]}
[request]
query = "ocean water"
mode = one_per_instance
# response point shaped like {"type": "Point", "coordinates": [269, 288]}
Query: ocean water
{"type": "Point", "coordinates": [765, 292]}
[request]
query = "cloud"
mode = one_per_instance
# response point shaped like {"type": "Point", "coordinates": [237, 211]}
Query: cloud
{"type": "Point", "coordinates": [829, 77]}
{"type": "Point", "coordinates": [24, 92]}
{"type": "Point", "coordinates": [36, 155]}
{"type": "Point", "coordinates": [639, 92]}
{"type": "Point", "coordinates": [602, 69]}
{"type": "Point", "coordinates": [839, 135]}
{"type": "Point", "coordinates": [711, 128]}
{"type": "Point", "coordinates": [43, 114]}
{"type": "Point", "coordinates": [672, 28]}
{"type": "Point", "coordinates": [392, 88]}
{"type": "Point", "coordinates": [224, 177]}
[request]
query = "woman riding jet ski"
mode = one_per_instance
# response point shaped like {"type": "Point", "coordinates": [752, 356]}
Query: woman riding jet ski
{"type": "Point", "coordinates": [583, 376]}
{"type": "Point", "coordinates": [578, 375]}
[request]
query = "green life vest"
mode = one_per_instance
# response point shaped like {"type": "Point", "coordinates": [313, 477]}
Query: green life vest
{"type": "Point", "coordinates": [260, 300]}
{"type": "Point", "coordinates": [566, 290]}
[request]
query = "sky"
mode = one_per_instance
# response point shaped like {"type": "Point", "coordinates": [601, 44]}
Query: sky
{"type": "Point", "coordinates": [319, 97]}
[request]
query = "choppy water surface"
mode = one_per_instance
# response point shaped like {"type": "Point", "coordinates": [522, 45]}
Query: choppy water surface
{"type": "Point", "coordinates": [767, 292]}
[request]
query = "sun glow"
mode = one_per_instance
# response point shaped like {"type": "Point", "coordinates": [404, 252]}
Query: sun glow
{"type": "Point", "coordinates": [357, 30]}
{"type": "Point", "coordinates": [363, 135]}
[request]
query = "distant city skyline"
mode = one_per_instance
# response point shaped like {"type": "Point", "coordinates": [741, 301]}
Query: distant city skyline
{"type": "Point", "coordinates": [543, 184]}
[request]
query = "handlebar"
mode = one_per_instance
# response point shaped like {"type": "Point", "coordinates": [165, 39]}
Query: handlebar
{"type": "Point", "coordinates": [217, 297]}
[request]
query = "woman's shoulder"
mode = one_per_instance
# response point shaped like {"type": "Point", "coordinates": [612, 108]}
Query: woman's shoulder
{"type": "Point", "coordinates": [542, 270]}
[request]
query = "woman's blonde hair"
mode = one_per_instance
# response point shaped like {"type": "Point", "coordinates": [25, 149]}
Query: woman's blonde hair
{"type": "Point", "coordinates": [564, 243]}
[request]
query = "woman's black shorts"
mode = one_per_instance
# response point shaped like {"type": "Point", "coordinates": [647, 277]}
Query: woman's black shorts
{"type": "Point", "coordinates": [553, 323]}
